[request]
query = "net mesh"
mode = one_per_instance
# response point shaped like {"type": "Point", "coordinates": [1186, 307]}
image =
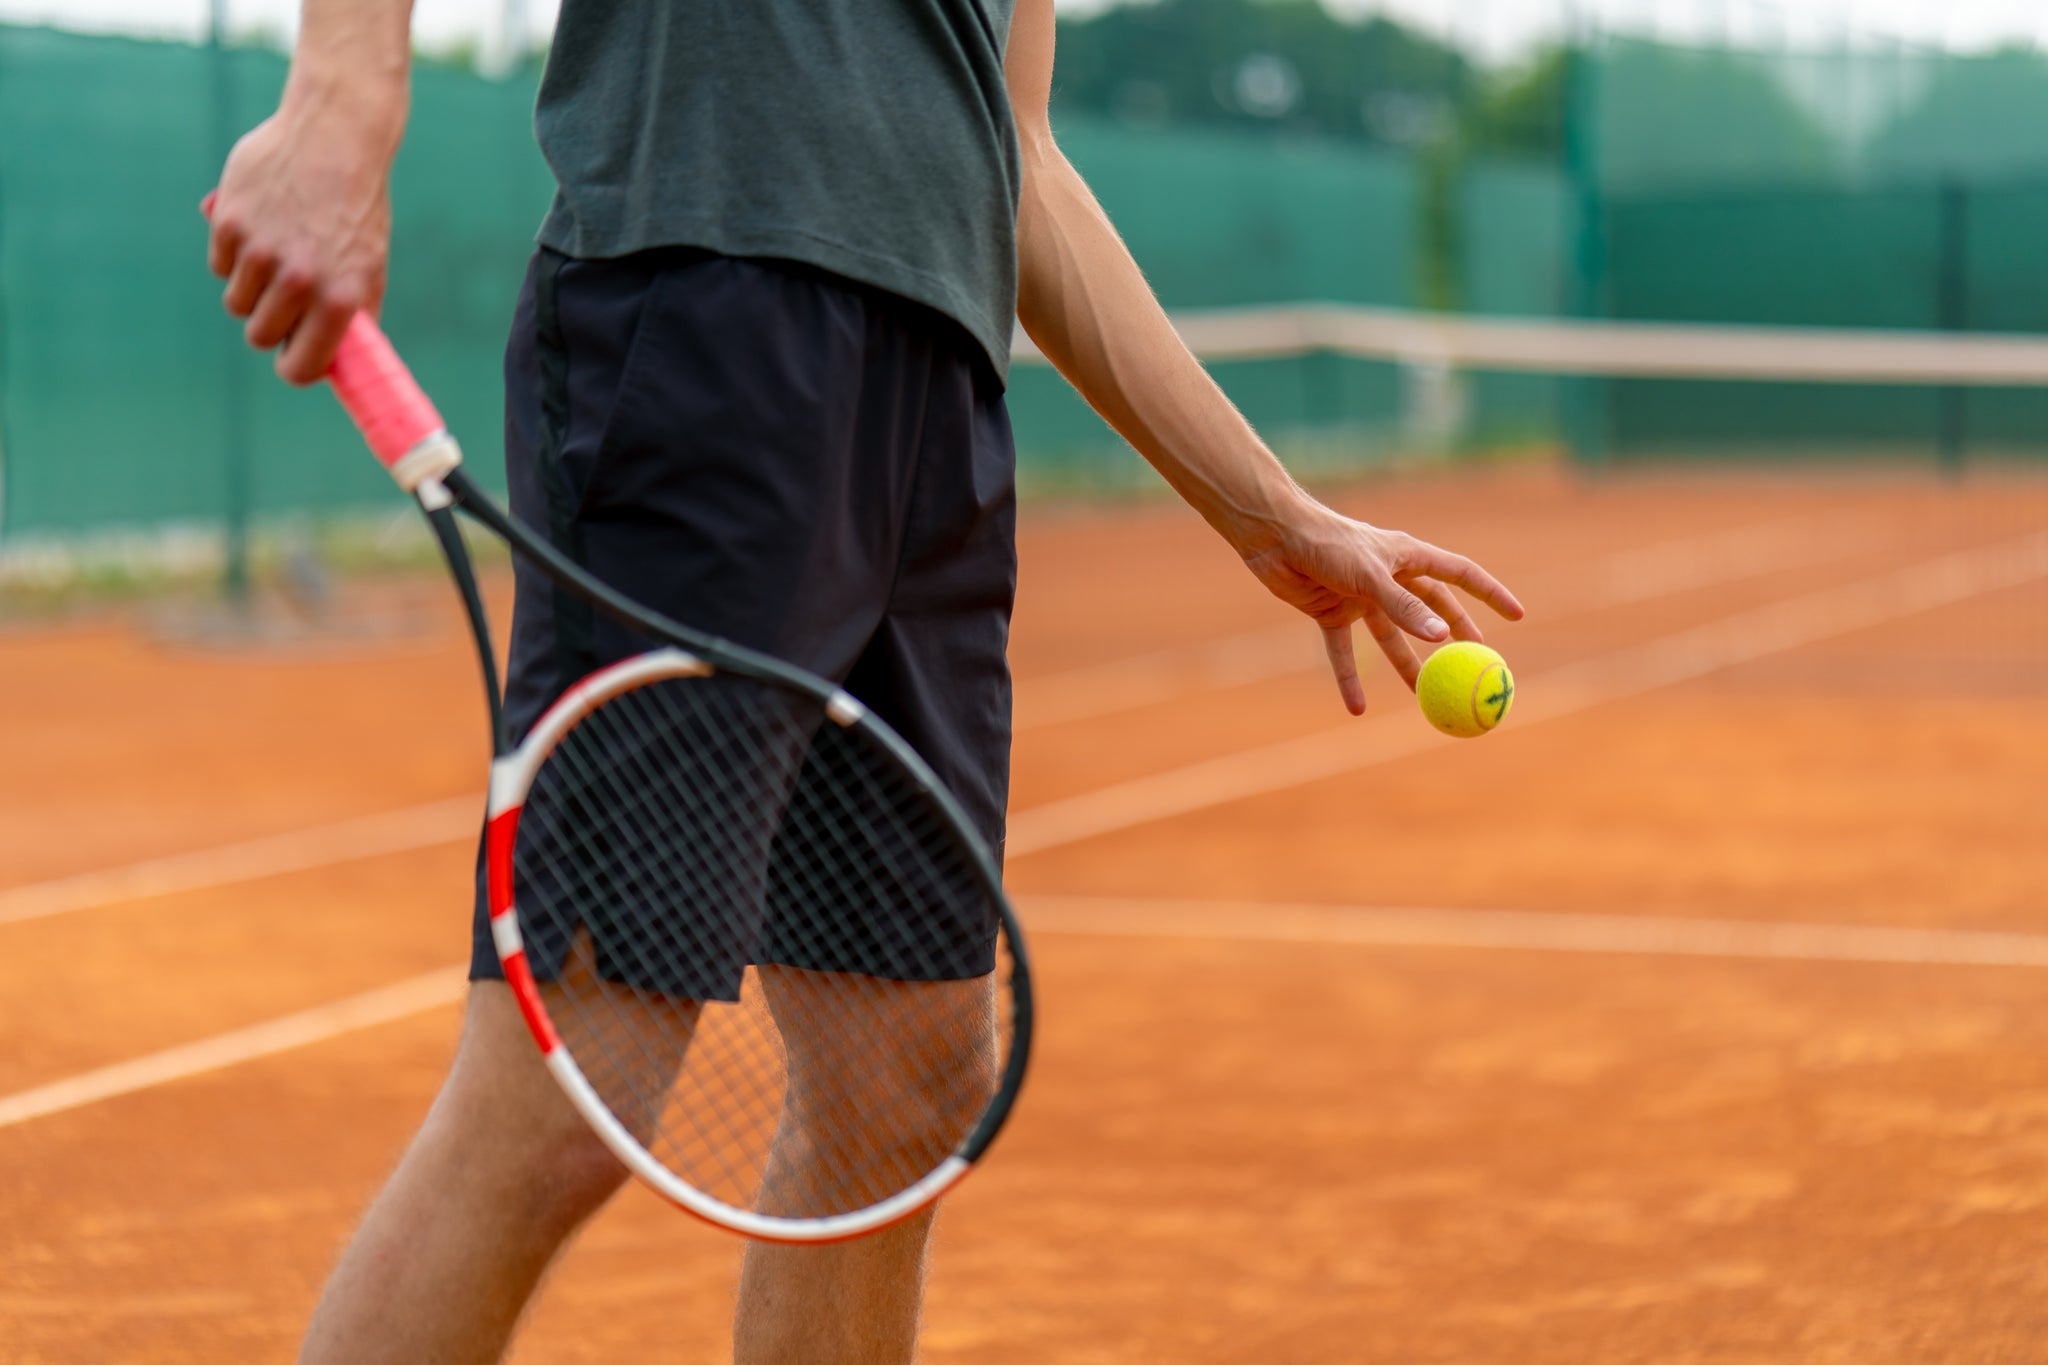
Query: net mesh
{"type": "Point", "coordinates": [764, 942]}
{"type": "Point", "coordinates": [1622, 391]}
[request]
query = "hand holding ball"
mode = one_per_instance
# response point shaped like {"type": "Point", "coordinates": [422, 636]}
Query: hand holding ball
{"type": "Point", "coordinates": [1465, 689]}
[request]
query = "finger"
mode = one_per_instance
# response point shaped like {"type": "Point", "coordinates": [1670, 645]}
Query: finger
{"type": "Point", "coordinates": [1394, 644]}
{"type": "Point", "coordinates": [1408, 611]}
{"type": "Point", "coordinates": [307, 357]}
{"type": "Point", "coordinates": [1447, 605]}
{"type": "Point", "coordinates": [280, 309]}
{"type": "Point", "coordinates": [253, 272]}
{"type": "Point", "coordinates": [1454, 568]}
{"type": "Point", "coordinates": [1337, 644]}
{"type": "Point", "coordinates": [223, 245]}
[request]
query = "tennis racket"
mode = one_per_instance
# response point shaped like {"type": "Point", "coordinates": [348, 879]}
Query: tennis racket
{"type": "Point", "coordinates": [754, 937]}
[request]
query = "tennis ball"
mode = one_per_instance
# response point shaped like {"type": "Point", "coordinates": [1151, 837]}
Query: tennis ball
{"type": "Point", "coordinates": [1465, 689]}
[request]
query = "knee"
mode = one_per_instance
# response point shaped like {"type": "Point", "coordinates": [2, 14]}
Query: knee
{"type": "Point", "coordinates": [922, 1099]}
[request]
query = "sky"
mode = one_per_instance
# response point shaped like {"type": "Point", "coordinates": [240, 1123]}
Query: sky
{"type": "Point", "coordinates": [1498, 29]}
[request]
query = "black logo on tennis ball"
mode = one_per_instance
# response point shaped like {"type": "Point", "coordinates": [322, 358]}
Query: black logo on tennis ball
{"type": "Point", "coordinates": [1498, 701]}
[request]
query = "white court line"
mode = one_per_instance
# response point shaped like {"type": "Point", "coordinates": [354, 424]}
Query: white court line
{"type": "Point", "coordinates": [1715, 558]}
{"type": "Point", "coordinates": [1290, 763]}
{"type": "Point", "coordinates": [369, 836]}
{"type": "Point", "coordinates": [1721, 557]}
{"type": "Point", "coordinates": [1726, 555]}
{"type": "Point", "coordinates": [1122, 917]}
{"type": "Point", "coordinates": [384, 1005]}
{"type": "Point", "coordinates": [1566, 691]}
{"type": "Point", "coordinates": [1534, 930]}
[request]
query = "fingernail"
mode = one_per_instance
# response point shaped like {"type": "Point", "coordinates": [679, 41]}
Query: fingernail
{"type": "Point", "coordinates": [1436, 628]}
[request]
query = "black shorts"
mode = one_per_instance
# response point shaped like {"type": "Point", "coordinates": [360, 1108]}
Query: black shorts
{"type": "Point", "coordinates": [779, 456]}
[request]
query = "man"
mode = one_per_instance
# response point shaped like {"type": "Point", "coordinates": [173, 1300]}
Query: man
{"type": "Point", "coordinates": [755, 379]}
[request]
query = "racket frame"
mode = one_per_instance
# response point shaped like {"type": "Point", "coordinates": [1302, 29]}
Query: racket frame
{"type": "Point", "coordinates": [415, 447]}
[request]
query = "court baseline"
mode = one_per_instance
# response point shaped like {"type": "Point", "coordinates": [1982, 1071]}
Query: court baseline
{"type": "Point", "coordinates": [1125, 917]}
{"type": "Point", "coordinates": [1531, 930]}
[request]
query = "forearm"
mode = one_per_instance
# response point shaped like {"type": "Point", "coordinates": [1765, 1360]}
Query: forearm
{"type": "Point", "coordinates": [351, 68]}
{"type": "Point", "coordinates": [1084, 302]}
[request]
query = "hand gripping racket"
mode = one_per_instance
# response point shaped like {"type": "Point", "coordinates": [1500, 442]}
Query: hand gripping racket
{"type": "Point", "coordinates": [755, 939]}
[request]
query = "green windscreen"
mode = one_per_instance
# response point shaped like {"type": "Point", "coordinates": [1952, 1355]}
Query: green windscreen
{"type": "Point", "coordinates": [125, 398]}
{"type": "Point", "coordinates": [123, 392]}
{"type": "Point", "coordinates": [1868, 185]}
{"type": "Point", "coordinates": [1220, 220]}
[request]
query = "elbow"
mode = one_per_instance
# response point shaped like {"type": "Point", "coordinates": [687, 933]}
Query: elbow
{"type": "Point", "coordinates": [1035, 143]}
{"type": "Point", "coordinates": [1041, 165]}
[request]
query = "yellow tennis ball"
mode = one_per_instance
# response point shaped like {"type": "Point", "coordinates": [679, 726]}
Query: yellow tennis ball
{"type": "Point", "coordinates": [1465, 689]}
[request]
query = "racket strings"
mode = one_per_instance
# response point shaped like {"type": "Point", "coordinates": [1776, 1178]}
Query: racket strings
{"type": "Point", "coordinates": [576, 855]}
{"type": "Point", "coordinates": [763, 943]}
{"type": "Point", "coordinates": [601, 1022]}
{"type": "Point", "coordinates": [912, 1128]}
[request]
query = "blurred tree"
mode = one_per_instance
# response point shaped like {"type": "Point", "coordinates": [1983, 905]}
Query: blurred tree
{"type": "Point", "coordinates": [1664, 116]}
{"type": "Point", "coordinates": [1521, 113]}
{"type": "Point", "coordinates": [1977, 118]}
{"type": "Point", "coordinates": [1670, 117]}
{"type": "Point", "coordinates": [1271, 64]}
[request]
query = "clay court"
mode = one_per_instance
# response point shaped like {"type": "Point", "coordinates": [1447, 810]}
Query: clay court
{"type": "Point", "coordinates": [1694, 1016]}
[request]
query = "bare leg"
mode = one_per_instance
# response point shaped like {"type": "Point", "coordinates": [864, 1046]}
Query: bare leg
{"type": "Point", "coordinates": [449, 1253]}
{"type": "Point", "coordinates": [849, 1303]}
{"type": "Point", "coordinates": [857, 1302]}
{"type": "Point", "coordinates": [502, 1172]}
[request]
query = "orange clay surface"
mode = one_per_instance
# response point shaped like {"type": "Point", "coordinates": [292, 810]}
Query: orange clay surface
{"type": "Point", "coordinates": [1230, 1150]}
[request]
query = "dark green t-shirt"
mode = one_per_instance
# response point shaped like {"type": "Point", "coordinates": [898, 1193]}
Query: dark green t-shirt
{"type": "Point", "coordinates": [871, 138]}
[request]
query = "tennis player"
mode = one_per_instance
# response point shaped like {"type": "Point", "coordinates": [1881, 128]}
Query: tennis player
{"type": "Point", "coordinates": [755, 380]}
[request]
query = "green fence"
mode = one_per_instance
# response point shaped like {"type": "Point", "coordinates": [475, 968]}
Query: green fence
{"type": "Point", "coordinates": [1517, 224]}
{"type": "Point", "coordinates": [124, 399]}
{"type": "Point", "coordinates": [1856, 187]}
{"type": "Point", "coordinates": [1220, 220]}
{"type": "Point", "coordinates": [1947, 256]}
{"type": "Point", "coordinates": [1880, 188]}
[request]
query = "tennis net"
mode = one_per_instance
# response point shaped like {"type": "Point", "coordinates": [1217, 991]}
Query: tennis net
{"type": "Point", "coordinates": [1612, 391]}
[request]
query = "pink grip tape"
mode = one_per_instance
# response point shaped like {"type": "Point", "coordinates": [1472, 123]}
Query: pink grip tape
{"type": "Point", "coordinates": [395, 415]}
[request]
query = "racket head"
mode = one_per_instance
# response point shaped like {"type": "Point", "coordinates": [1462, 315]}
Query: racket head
{"type": "Point", "coordinates": [759, 945]}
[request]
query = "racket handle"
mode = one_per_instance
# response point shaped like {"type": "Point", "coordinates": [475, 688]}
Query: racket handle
{"type": "Point", "coordinates": [395, 415]}
{"type": "Point", "coordinates": [391, 410]}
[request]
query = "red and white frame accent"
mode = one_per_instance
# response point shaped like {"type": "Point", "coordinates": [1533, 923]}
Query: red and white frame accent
{"type": "Point", "coordinates": [511, 779]}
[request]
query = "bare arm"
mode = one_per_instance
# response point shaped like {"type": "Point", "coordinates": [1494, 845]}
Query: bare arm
{"type": "Point", "coordinates": [302, 219]}
{"type": "Point", "coordinates": [1084, 302]}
